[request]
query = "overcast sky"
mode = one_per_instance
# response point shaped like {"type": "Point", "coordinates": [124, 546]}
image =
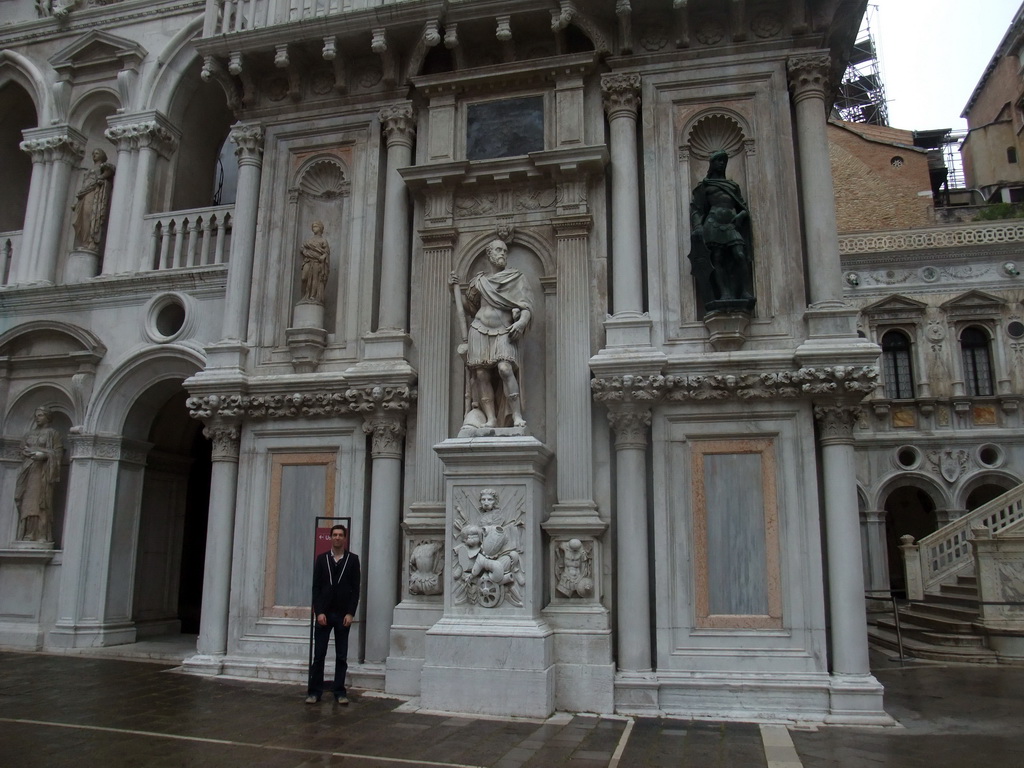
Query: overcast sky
{"type": "Point", "coordinates": [933, 52]}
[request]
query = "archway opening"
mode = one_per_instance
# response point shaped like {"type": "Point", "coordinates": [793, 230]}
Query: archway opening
{"type": "Point", "coordinates": [171, 544]}
{"type": "Point", "coordinates": [983, 494]}
{"type": "Point", "coordinates": [909, 510]}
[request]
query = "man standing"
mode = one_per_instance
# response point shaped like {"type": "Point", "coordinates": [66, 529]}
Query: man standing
{"type": "Point", "coordinates": [335, 597]}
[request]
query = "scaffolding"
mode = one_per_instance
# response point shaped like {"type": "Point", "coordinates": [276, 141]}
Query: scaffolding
{"type": "Point", "coordinates": [861, 97]}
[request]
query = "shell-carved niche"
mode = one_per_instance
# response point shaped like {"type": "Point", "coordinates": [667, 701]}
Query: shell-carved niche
{"type": "Point", "coordinates": [713, 132]}
{"type": "Point", "coordinates": [324, 179]}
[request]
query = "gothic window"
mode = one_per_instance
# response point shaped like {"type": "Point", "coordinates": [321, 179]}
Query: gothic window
{"type": "Point", "coordinates": [974, 348]}
{"type": "Point", "coordinates": [896, 366]}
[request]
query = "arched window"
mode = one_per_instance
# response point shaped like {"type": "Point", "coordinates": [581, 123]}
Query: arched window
{"type": "Point", "coordinates": [974, 349]}
{"type": "Point", "coordinates": [896, 366]}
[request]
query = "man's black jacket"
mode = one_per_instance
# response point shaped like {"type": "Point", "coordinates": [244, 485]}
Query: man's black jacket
{"type": "Point", "coordinates": [336, 585]}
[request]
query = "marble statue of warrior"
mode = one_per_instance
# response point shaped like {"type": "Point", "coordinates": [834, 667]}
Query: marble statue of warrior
{"type": "Point", "coordinates": [37, 478]}
{"type": "Point", "coordinates": [501, 307]}
{"type": "Point", "coordinates": [92, 204]}
{"type": "Point", "coordinates": [316, 255]}
{"type": "Point", "coordinates": [720, 243]}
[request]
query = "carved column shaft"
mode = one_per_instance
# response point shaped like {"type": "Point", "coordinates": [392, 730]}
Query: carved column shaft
{"type": "Point", "coordinates": [847, 607]}
{"type": "Point", "coordinates": [399, 129]}
{"type": "Point", "coordinates": [384, 559]}
{"type": "Point", "coordinates": [575, 473]}
{"type": "Point", "coordinates": [622, 97]}
{"type": "Point", "coordinates": [24, 260]}
{"type": "Point", "coordinates": [118, 223]}
{"type": "Point", "coordinates": [249, 140]}
{"type": "Point", "coordinates": [434, 374]}
{"type": "Point", "coordinates": [808, 79]}
{"type": "Point", "coordinates": [220, 530]}
{"type": "Point", "coordinates": [630, 422]}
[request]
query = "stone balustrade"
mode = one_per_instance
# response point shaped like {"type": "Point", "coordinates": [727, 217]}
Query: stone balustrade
{"type": "Point", "coordinates": [198, 237]}
{"type": "Point", "coordinates": [991, 232]}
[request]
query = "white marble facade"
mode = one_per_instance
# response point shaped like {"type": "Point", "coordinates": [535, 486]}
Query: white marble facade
{"type": "Point", "coordinates": [205, 404]}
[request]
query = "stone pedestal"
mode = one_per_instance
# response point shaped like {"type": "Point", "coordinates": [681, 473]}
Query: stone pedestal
{"type": "Point", "coordinates": [306, 346]}
{"type": "Point", "coordinates": [491, 652]}
{"type": "Point", "coordinates": [22, 584]}
{"type": "Point", "coordinates": [81, 266]}
{"type": "Point", "coordinates": [728, 329]}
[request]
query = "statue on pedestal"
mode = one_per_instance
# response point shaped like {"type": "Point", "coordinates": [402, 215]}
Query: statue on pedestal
{"type": "Point", "coordinates": [501, 307]}
{"type": "Point", "coordinates": [720, 255]}
{"type": "Point", "coordinates": [37, 478]}
{"type": "Point", "coordinates": [92, 204]}
{"type": "Point", "coordinates": [316, 266]}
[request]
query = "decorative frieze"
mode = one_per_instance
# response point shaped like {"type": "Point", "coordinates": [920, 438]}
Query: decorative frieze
{"type": "Point", "coordinates": [323, 403]}
{"type": "Point", "coordinates": [107, 448]}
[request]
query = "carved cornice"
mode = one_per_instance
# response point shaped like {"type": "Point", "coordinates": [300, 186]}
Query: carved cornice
{"type": "Point", "coordinates": [836, 422]}
{"type": "Point", "coordinates": [387, 431]}
{"type": "Point", "coordinates": [621, 91]}
{"type": "Point", "coordinates": [248, 139]}
{"type": "Point", "coordinates": [398, 122]}
{"type": "Point", "coordinates": [320, 404]}
{"type": "Point", "coordinates": [809, 75]}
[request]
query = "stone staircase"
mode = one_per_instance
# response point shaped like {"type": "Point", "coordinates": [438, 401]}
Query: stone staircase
{"type": "Point", "coordinates": [940, 627]}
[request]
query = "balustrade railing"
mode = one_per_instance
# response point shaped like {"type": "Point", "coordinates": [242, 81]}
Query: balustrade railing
{"type": "Point", "coordinates": [198, 237]}
{"type": "Point", "coordinates": [228, 16]}
{"type": "Point", "coordinates": [934, 237]}
{"type": "Point", "coordinates": [943, 553]}
{"type": "Point", "coordinates": [10, 244]}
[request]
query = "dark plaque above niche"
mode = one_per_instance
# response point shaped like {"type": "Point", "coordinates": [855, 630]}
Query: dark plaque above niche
{"type": "Point", "coordinates": [505, 128]}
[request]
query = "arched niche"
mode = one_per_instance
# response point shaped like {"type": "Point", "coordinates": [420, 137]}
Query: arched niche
{"type": "Point", "coordinates": [19, 114]}
{"type": "Point", "coordinates": [531, 258]}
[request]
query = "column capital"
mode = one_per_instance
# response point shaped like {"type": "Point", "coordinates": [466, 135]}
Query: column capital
{"type": "Point", "coordinates": [630, 422]}
{"type": "Point", "coordinates": [99, 447]}
{"type": "Point", "coordinates": [809, 75]}
{"type": "Point", "coordinates": [248, 138]}
{"type": "Point", "coordinates": [387, 431]}
{"type": "Point", "coordinates": [621, 91]}
{"type": "Point", "coordinates": [143, 130]}
{"type": "Point", "coordinates": [836, 422]}
{"type": "Point", "coordinates": [225, 437]}
{"type": "Point", "coordinates": [60, 143]}
{"type": "Point", "coordinates": [398, 122]}
{"type": "Point", "coordinates": [572, 226]}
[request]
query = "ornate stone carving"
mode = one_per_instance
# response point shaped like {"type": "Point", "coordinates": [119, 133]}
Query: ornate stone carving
{"type": "Point", "coordinates": [322, 403]}
{"type": "Point", "coordinates": [387, 432]}
{"type": "Point", "coordinates": [426, 564]}
{"type": "Point", "coordinates": [809, 75]}
{"type": "Point", "coordinates": [47, 149]}
{"type": "Point", "coordinates": [248, 141]}
{"type": "Point", "coordinates": [225, 438]}
{"type": "Point", "coordinates": [486, 567]}
{"type": "Point", "coordinates": [146, 133]}
{"type": "Point", "coordinates": [495, 201]}
{"type": "Point", "coordinates": [398, 122]}
{"type": "Point", "coordinates": [950, 463]}
{"type": "Point", "coordinates": [630, 424]}
{"type": "Point", "coordinates": [836, 422]}
{"type": "Point", "coordinates": [621, 91]}
{"type": "Point", "coordinates": [574, 569]}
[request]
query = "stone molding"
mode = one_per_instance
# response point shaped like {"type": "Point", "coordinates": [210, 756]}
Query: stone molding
{"type": "Point", "coordinates": [318, 404]}
{"type": "Point", "coordinates": [387, 432]}
{"type": "Point", "coordinates": [398, 122]}
{"type": "Point", "coordinates": [621, 92]}
{"type": "Point", "coordinates": [809, 75]}
{"type": "Point", "coordinates": [107, 448]}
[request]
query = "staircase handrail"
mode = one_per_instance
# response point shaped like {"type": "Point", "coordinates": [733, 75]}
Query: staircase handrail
{"type": "Point", "coordinates": [948, 550]}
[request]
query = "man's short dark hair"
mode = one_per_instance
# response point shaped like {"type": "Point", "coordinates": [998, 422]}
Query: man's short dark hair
{"type": "Point", "coordinates": [339, 526]}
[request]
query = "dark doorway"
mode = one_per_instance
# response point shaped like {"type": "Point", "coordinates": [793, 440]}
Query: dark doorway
{"type": "Point", "coordinates": [909, 510]}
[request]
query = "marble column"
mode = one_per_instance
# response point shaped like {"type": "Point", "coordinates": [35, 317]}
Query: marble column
{"type": "Point", "coordinates": [220, 529]}
{"type": "Point", "coordinates": [123, 137]}
{"type": "Point", "coordinates": [845, 574]}
{"type": "Point", "coordinates": [58, 151]}
{"type": "Point", "coordinates": [248, 139]}
{"type": "Point", "coordinates": [398, 124]}
{"type": "Point", "coordinates": [384, 564]}
{"type": "Point", "coordinates": [630, 422]}
{"type": "Point", "coordinates": [808, 81]}
{"type": "Point", "coordinates": [621, 101]}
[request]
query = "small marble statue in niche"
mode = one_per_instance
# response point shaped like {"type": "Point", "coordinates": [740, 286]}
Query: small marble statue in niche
{"type": "Point", "coordinates": [37, 479]}
{"type": "Point", "coordinates": [426, 563]}
{"type": "Point", "coordinates": [573, 569]}
{"type": "Point", "coordinates": [487, 567]}
{"type": "Point", "coordinates": [720, 256]}
{"type": "Point", "coordinates": [494, 314]}
{"type": "Point", "coordinates": [92, 204]}
{"type": "Point", "coordinates": [316, 265]}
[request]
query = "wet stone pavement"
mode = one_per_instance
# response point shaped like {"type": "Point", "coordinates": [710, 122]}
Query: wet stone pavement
{"type": "Point", "coordinates": [63, 710]}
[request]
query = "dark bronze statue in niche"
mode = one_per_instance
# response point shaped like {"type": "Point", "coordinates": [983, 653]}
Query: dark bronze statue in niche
{"type": "Point", "coordinates": [720, 258]}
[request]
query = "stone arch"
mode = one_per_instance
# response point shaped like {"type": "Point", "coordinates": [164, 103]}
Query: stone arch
{"type": "Point", "coordinates": [998, 477]}
{"type": "Point", "coordinates": [20, 69]}
{"type": "Point", "coordinates": [919, 480]}
{"type": "Point", "coordinates": [137, 385]}
{"type": "Point", "coordinates": [159, 83]}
